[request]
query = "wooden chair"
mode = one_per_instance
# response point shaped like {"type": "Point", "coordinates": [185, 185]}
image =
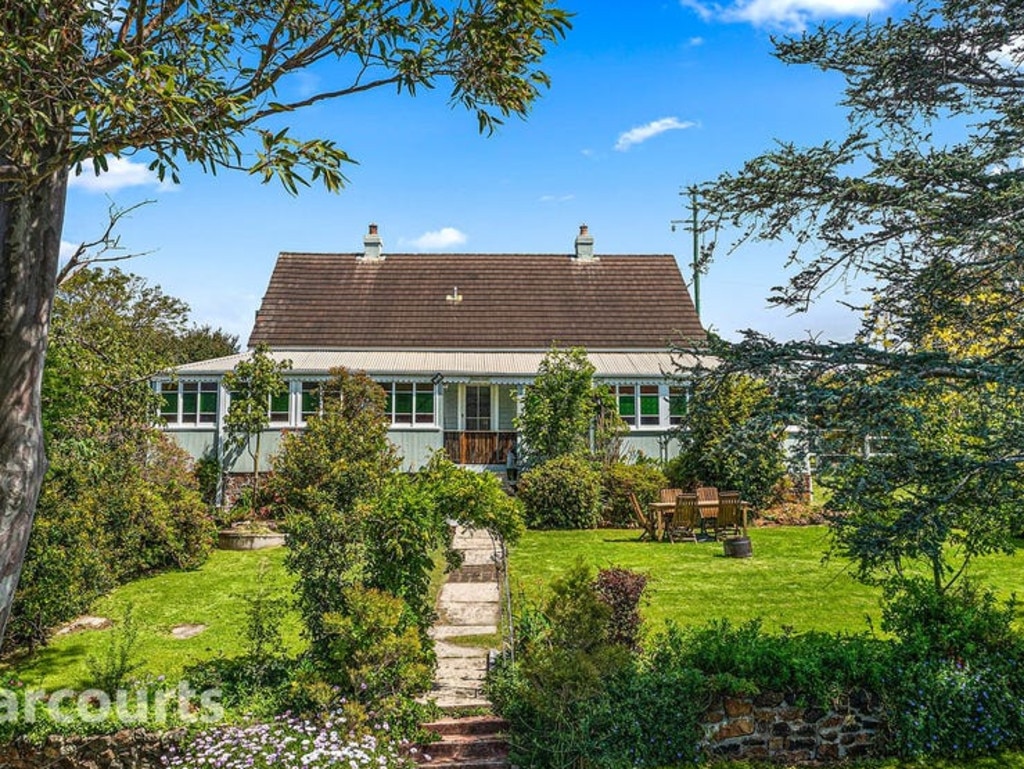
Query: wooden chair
{"type": "Point", "coordinates": [647, 523]}
{"type": "Point", "coordinates": [685, 519]}
{"type": "Point", "coordinates": [668, 495]}
{"type": "Point", "coordinates": [732, 514]}
{"type": "Point", "coordinates": [707, 503]}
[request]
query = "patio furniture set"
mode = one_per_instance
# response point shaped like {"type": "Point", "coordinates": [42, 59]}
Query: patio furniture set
{"type": "Point", "coordinates": [704, 514]}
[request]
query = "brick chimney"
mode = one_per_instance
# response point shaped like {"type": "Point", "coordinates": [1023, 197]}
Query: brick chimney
{"type": "Point", "coordinates": [585, 245]}
{"type": "Point", "coordinates": [373, 246]}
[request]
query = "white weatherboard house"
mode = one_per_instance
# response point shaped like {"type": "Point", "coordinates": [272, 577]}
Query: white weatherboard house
{"type": "Point", "coordinates": [452, 338]}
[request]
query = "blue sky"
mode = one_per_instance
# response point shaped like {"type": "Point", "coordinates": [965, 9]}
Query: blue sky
{"type": "Point", "coordinates": [646, 98]}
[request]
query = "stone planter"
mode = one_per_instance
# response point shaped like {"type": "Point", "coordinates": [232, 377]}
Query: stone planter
{"type": "Point", "coordinates": [239, 539]}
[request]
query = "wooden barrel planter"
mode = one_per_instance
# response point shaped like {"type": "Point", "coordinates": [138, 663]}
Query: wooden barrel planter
{"type": "Point", "coordinates": [738, 547]}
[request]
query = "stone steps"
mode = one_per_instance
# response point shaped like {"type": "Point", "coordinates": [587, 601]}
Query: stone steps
{"type": "Point", "coordinates": [476, 742]}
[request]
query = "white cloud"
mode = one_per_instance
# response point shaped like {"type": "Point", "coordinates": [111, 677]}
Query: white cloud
{"type": "Point", "coordinates": [793, 14]}
{"type": "Point", "coordinates": [446, 237]}
{"type": "Point", "coordinates": [556, 198]}
{"type": "Point", "coordinates": [642, 133]}
{"type": "Point", "coordinates": [120, 173]}
{"type": "Point", "coordinates": [696, 41]}
{"type": "Point", "coordinates": [1011, 55]}
{"type": "Point", "coordinates": [67, 250]}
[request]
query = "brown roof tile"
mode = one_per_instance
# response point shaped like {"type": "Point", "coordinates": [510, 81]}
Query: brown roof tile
{"type": "Point", "coordinates": [509, 301]}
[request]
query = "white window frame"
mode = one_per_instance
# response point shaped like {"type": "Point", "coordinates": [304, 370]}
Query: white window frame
{"type": "Point", "coordinates": [177, 387]}
{"type": "Point", "coordinates": [417, 388]}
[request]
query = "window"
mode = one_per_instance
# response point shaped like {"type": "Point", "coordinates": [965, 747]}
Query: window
{"type": "Point", "coordinates": [189, 403]}
{"type": "Point", "coordinates": [279, 408]}
{"type": "Point", "coordinates": [478, 407]}
{"type": "Point", "coordinates": [676, 405]}
{"type": "Point", "coordinates": [410, 403]}
{"type": "Point", "coordinates": [311, 400]}
{"type": "Point", "coordinates": [639, 405]}
{"type": "Point", "coordinates": [650, 405]}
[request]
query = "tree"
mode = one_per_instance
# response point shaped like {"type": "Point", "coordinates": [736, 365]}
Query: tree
{"type": "Point", "coordinates": [342, 457]}
{"type": "Point", "coordinates": [560, 409]}
{"type": "Point", "coordinates": [254, 383]}
{"type": "Point", "coordinates": [730, 437]}
{"type": "Point", "coordinates": [922, 200]}
{"type": "Point", "coordinates": [201, 83]}
{"type": "Point", "coordinates": [203, 343]}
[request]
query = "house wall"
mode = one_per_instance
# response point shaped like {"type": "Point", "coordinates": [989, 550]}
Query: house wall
{"type": "Point", "coordinates": [416, 446]}
{"type": "Point", "coordinates": [198, 443]}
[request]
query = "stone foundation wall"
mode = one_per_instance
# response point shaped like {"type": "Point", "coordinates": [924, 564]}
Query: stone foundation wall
{"type": "Point", "coordinates": [771, 726]}
{"type": "Point", "coordinates": [127, 749]}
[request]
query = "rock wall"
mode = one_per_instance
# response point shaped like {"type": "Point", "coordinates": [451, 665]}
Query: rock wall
{"type": "Point", "coordinates": [772, 726]}
{"type": "Point", "coordinates": [127, 749]}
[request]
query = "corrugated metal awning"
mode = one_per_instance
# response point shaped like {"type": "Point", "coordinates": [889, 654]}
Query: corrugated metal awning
{"type": "Point", "coordinates": [505, 365]}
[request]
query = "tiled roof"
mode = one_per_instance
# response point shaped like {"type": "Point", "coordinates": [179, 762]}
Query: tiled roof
{"type": "Point", "coordinates": [507, 301]}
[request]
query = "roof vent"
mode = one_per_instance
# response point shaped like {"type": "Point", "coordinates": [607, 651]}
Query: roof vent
{"type": "Point", "coordinates": [585, 245]}
{"type": "Point", "coordinates": [454, 297]}
{"type": "Point", "coordinates": [373, 246]}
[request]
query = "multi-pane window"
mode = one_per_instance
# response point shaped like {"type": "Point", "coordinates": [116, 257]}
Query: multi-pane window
{"type": "Point", "coordinates": [311, 399]}
{"type": "Point", "coordinates": [279, 408]}
{"type": "Point", "coordinates": [410, 402]}
{"type": "Point", "coordinates": [639, 405]}
{"type": "Point", "coordinates": [478, 407]}
{"type": "Point", "coordinates": [189, 403]}
{"type": "Point", "coordinates": [676, 405]}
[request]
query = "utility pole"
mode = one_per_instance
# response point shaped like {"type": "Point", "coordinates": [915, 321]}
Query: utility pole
{"type": "Point", "coordinates": [695, 262]}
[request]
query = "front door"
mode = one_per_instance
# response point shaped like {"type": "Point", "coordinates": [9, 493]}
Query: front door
{"type": "Point", "coordinates": [478, 408]}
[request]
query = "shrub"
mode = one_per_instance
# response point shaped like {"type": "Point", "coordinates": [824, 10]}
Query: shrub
{"type": "Point", "coordinates": [563, 493]}
{"type": "Point", "coordinates": [375, 651]}
{"type": "Point", "coordinates": [818, 667]}
{"type": "Point", "coordinates": [957, 687]}
{"type": "Point", "coordinates": [619, 480]}
{"type": "Point", "coordinates": [961, 623]}
{"type": "Point", "coordinates": [112, 670]}
{"type": "Point", "coordinates": [577, 697]}
{"type": "Point", "coordinates": [471, 498]}
{"type": "Point", "coordinates": [955, 708]}
{"type": "Point", "coordinates": [622, 590]}
{"type": "Point", "coordinates": [106, 516]}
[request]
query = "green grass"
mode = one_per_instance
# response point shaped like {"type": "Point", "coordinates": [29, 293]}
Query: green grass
{"type": "Point", "coordinates": [207, 596]}
{"type": "Point", "coordinates": [785, 583]}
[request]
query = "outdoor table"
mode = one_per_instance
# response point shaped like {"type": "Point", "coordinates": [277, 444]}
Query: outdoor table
{"type": "Point", "coordinates": [660, 511]}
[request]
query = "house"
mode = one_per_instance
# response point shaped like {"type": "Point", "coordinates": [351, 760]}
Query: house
{"type": "Point", "coordinates": [453, 338]}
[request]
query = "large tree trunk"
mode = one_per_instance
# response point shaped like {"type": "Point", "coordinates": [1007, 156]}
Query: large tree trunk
{"type": "Point", "coordinates": [31, 219]}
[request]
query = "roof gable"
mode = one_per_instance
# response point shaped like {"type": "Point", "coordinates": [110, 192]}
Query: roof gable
{"type": "Point", "coordinates": [506, 301]}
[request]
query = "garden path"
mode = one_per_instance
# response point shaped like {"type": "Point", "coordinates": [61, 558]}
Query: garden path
{"type": "Point", "coordinates": [468, 605]}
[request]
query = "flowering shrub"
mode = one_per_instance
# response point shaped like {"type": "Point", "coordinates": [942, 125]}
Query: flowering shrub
{"type": "Point", "coordinates": [289, 742]}
{"type": "Point", "coordinates": [953, 708]}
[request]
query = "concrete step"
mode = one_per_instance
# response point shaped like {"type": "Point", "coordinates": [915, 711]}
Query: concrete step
{"type": "Point", "coordinates": [488, 725]}
{"type": "Point", "coordinates": [475, 742]}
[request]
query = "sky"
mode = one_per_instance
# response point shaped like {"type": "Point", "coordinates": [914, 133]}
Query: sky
{"type": "Point", "coordinates": [647, 98]}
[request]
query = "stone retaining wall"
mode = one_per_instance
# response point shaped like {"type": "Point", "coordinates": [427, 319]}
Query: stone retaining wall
{"type": "Point", "coordinates": [773, 726]}
{"type": "Point", "coordinates": [770, 726]}
{"type": "Point", "coordinates": [127, 749]}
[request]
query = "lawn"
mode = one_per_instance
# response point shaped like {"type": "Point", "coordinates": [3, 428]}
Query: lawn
{"type": "Point", "coordinates": [208, 596]}
{"type": "Point", "coordinates": [785, 583]}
